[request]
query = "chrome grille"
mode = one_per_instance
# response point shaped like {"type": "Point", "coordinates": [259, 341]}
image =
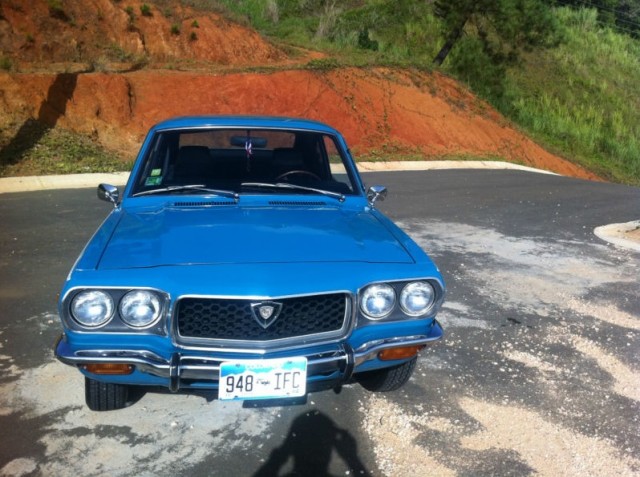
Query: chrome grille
{"type": "Point", "coordinates": [232, 319]}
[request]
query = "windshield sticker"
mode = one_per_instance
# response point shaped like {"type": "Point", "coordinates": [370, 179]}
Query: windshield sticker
{"type": "Point", "coordinates": [156, 172]}
{"type": "Point", "coordinates": [153, 181]}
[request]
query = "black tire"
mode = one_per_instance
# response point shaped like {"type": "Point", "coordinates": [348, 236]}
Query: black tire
{"type": "Point", "coordinates": [388, 379]}
{"type": "Point", "coordinates": [105, 396]}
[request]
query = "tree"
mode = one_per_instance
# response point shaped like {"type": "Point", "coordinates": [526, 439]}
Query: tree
{"type": "Point", "coordinates": [504, 27]}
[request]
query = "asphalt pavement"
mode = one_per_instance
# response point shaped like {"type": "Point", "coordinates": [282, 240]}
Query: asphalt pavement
{"type": "Point", "coordinates": [539, 372]}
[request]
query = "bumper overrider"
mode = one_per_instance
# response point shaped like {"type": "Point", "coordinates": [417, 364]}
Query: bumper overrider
{"type": "Point", "coordinates": [336, 365]}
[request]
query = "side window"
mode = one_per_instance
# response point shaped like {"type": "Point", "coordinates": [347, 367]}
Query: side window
{"type": "Point", "coordinates": [338, 170]}
{"type": "Point", "coordinates": [157, 164]}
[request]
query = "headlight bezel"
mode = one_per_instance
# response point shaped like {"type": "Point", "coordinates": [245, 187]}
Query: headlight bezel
{"type": "Point", "coordinates": [406, 290]}
{"type": "Point", "coordinates": [377, 289]}
{"type": "Point", "coordinates": [107, 302]}
{"type": "Point", "coordinates": [117, 322]}
{"type": "Point", "coordinates": [398, 313]}
{"type": "Point", "coordinates": [139, 294]}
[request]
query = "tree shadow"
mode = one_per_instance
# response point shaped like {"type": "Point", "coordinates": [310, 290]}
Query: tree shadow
{"type": "Point", "coordinates": [50, 111]}
{"type": "Point", "coordinates": [311, 440]}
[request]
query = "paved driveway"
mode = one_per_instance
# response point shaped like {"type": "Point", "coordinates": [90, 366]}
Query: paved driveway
{"type": "Point", "coordinates": [539, 372]}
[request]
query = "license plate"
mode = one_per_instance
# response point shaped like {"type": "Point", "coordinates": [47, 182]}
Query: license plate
{"type": "Point", "coordinates": [263, 379]}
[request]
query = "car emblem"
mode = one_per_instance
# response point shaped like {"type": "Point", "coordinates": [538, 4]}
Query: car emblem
{"type": "Point", "coordinates": [266, 312]}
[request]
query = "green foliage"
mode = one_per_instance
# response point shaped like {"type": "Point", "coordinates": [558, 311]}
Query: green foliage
{"type": "Point", "coordinates": [132, 16]}
{"type": "Point", "coordinates": [5, 63]}
{"type": "Point", "coordinates": [322, 64]}
{"type": "Point", "coordinates": [471, 63]}
{"type": "Point", "coordinates": [504, 27]}
{"type": "Point", "coordinates": [583, 97]}
{"type": "Point", "coordinates": [622, 15]}
{"type": "Point", "coordinates": [56, 10]}
{"type": "Point", "coordinates": [59, 151]}
{"type": "Point", "coordinates": [175, 29]}
{"type": "Point", "coordinates": [145, 10]}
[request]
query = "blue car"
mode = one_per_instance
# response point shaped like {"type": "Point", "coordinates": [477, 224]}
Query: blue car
{"type": "Point", "coordinates": [245, 258]}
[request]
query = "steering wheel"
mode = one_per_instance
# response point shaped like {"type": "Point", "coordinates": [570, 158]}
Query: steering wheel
{"type": "Point", "coordinates": [298, 172]}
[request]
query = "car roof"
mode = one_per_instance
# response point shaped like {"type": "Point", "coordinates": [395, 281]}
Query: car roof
{"type": "Point", "coordinates": [267, 122]}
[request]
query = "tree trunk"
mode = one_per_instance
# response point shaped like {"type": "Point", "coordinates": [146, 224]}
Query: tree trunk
{"type": "Point", "coordinates": [451, 40]}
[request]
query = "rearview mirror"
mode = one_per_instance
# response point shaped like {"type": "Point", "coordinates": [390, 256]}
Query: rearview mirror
{"type": "Point", "coordinates": [108, 193]}
{"type": "Point", "coordinates": [376, 192]}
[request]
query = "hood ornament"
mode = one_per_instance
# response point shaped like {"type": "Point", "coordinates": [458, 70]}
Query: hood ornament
{"type": "Point", "coordinates": [266, 312]}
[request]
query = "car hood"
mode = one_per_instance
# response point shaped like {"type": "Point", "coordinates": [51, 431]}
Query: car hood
{"type": "Point", "coordinates": [212, 235]}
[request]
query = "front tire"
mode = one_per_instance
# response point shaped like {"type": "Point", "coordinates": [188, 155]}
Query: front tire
{"type": "Point", "coordinates": [105, 396]}
{"type": "Point", "coordinates": [388, 379]}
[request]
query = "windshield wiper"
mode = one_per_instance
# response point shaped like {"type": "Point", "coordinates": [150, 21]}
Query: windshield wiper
{"type": "Point", "coordinates": [196, 187]}
{"type": "Point", "coordinates": [286, 185]}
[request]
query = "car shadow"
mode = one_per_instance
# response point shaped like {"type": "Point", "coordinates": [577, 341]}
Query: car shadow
{"type": "Point", "coordinates": [309, 445]}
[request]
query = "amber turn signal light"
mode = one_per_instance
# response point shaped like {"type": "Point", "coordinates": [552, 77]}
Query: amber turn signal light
{"type": "Point", "coordinates": [399, 353]}
{"type": "Point", "coordinates": [109, 368]}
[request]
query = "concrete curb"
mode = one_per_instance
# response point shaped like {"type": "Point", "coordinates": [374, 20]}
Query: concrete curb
{"type": "Point", "coordinates": [434, 165]}
{"type": "Point", "coordinates": [79, 181]}
{"type": "Point", "coordinates": [67, 181]}
{"type": "Point", "coordinates": [619, 234]}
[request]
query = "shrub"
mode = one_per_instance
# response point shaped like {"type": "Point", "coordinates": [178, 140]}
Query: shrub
{"type": "Point", "coordinates": [145, 10]}
{"type": "Point", "coordinates": [56, 10]}
{"type": "Point", "coordinates": [175, 29]}
{"type": "Point", "coordinates": [5, 63]}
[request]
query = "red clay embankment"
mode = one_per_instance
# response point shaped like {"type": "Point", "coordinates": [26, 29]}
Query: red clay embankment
{"type": "Point", "coordinates": [398, 112]}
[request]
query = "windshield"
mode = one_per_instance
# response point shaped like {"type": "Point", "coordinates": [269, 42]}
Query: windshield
{"type": "Point", "coordinates": [232, 161]}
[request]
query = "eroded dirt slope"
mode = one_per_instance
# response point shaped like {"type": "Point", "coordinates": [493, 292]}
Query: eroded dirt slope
{"type": "Point", "coordinates": [99, 67]}
{"type": "Point", "coordinates": [40, 33]}
{"type": "Point", "coordinates": [379, 110]}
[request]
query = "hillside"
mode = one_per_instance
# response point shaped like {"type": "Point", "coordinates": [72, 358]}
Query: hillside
{"type": "Point", "coordinates": [106, 71]}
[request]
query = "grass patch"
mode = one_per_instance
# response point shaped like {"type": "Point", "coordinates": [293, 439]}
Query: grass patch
{"type": "Point", "coordinates": [582, 98]}
{"type": "Point", "coordinates": [56, 151]}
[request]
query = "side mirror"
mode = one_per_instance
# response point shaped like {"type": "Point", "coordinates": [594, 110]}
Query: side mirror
{"type": "Point", "coordinates": [108, 193]}
{"type": "Point", "coordinates": [376, 192]}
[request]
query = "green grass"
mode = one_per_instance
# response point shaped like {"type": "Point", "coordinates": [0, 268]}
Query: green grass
{"type": "Point", "coordinates": [42, 151]}
{"type": "Point", "coordinates": [583, 97]}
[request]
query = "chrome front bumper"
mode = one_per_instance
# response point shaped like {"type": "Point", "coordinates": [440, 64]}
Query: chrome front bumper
{"type": "Point", "coordinates": [186, 367]}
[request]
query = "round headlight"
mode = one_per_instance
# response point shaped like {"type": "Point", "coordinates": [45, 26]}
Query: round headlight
{"type": "Point", "coordinates": [92, 308]}
{"type": "Point", "coordinates": [416, 298]}
{"type": "Point", "coordinates": [377, 301]}
{"type": "Point", "coordinates": [140, 308]}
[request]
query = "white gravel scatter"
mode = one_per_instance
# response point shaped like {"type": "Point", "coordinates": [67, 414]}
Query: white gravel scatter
{"type": "Point", "coordinates": [626, 380]}
{"type": "Point", "coordinates": [528, 274]}
{"type": "Point", "coordinates": [609, 313]}
{"type": "Point", "coordinates": [393, 433]}
{"type": "Point", "coordinates": [539, 278]}
{"type": "Point", "coordinates": [455, 314]}
{"type": "Point", "coordinates": [159, 435]}
{"type": "Point", "coordinates": [18, 468]}
{"type": "Point", "coordinates": [548, 448]}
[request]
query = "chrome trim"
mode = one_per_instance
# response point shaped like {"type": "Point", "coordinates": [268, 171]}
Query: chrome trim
{"type": "Point", "coordinates": [376, 192]}
{"type": "Point", "coordinates": [160, 322]}
{"type": "Point", "coordinates": [430, 312]}
{"type": "Point", "coordinates": [262, 347]}
{"type": "Point", "coordinates": [341, 359]}
{"type": "Point", "coordinates": [108, 193]}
